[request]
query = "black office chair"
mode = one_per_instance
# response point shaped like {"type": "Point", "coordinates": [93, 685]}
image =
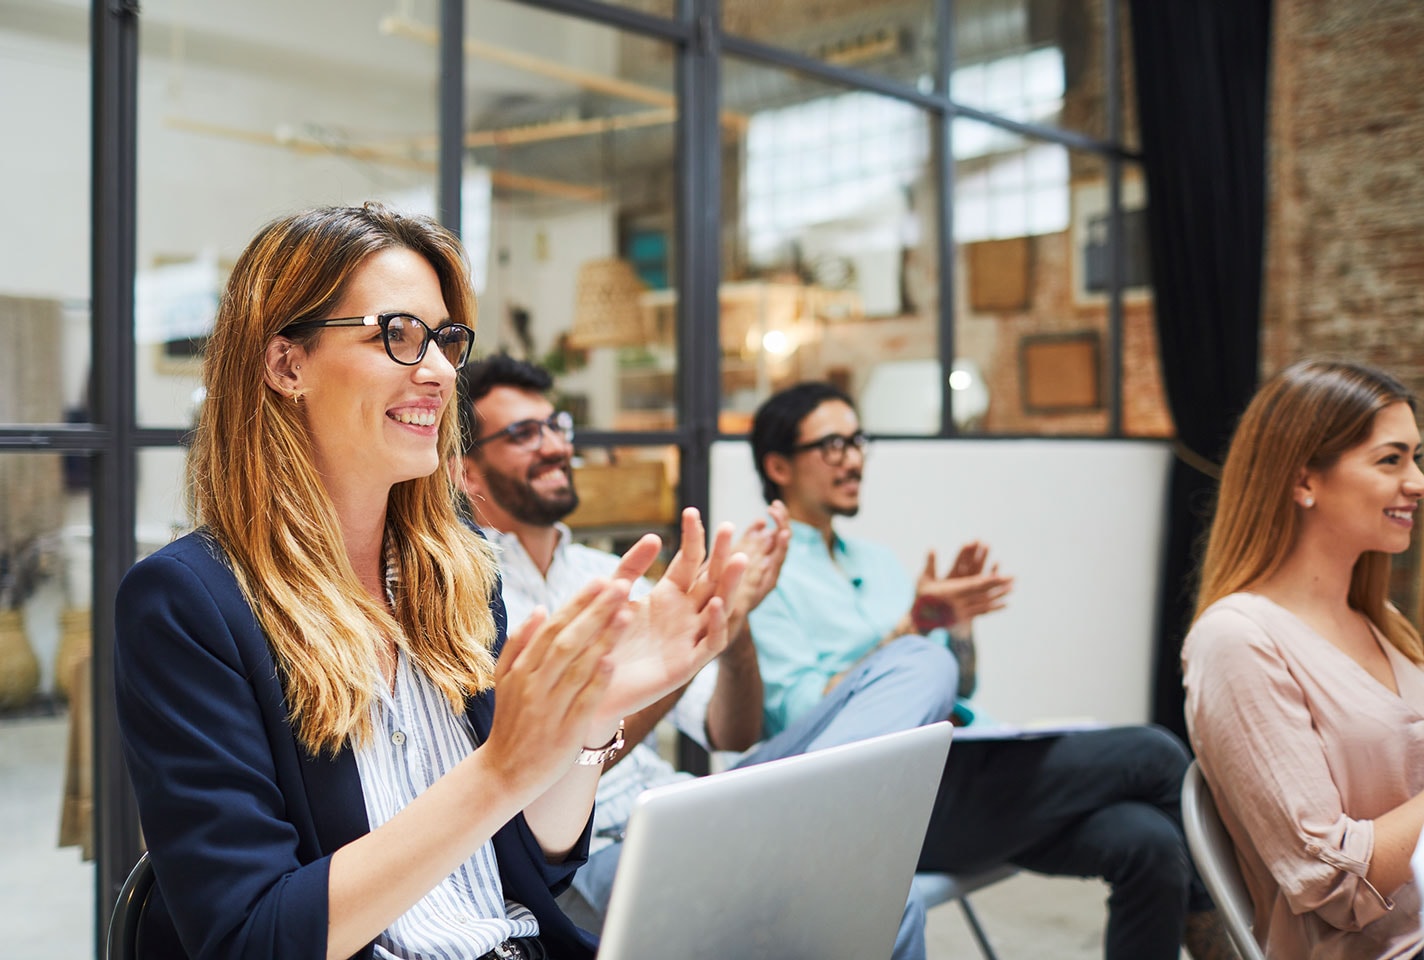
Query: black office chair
{"type": "Point", "coordinates": [128, 911]}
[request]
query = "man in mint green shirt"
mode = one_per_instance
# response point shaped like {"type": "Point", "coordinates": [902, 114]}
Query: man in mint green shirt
{"type": "Point", "coordinates": [853, 595]}
{"type": "Point", "coordinates": [1103, 803]}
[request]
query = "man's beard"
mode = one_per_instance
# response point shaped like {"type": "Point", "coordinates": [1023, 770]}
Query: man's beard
{"type": "Point", "coordinates": [518, 498]}
{"type": "Point", "coordinates": [836, 510]}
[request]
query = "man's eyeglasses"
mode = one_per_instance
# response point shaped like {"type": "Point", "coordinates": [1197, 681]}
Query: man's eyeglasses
{"type": "Point", "coordinates": [529, 434]}
{"type": "Point", "coordinates": [406, 336]}
{"type": "Point", "coordinates": [833, 446]}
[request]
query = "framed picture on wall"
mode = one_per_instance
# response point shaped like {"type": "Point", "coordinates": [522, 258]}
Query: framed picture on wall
{"type": "Point", "coordinates": [1061, 372]}
{"type": "Point", "coordinates": [1091, 253]}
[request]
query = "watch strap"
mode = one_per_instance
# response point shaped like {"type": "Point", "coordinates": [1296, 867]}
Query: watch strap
{"type": "Point", "coordinates": [597, 756]}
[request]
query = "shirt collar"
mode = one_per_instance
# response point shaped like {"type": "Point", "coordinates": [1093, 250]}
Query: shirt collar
{"type": "Point", "coordinates": [510, 541]}
{"type": "Point", "coordinates": [807, 535]}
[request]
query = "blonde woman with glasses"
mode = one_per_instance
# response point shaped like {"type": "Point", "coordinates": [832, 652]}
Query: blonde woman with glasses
{"type": "Point", "coordinates": [307, 684]}
{"type": "Point", "coordinates": [1305, 690]}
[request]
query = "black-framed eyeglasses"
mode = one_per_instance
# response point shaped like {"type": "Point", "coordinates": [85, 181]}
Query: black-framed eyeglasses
{"type": "Point", "coordinates": [405, 335]}
{"type": "Point", "coordinates": [833, 446]}
{"type": "Point", "coordinates": [529, 434]}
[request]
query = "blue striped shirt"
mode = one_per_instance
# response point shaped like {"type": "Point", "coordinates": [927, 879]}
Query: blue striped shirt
{"type": "Point", "coordinates": [416, 739]}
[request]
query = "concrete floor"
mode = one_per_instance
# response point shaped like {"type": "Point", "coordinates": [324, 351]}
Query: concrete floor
{"type": "Point", "coordinates": [46, 893]}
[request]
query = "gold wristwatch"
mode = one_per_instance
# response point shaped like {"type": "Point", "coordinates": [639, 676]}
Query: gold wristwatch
{"type": "Point", "coordinates": [597, 756]}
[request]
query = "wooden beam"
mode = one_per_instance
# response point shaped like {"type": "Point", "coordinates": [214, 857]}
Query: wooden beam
{"type": "Point", "coordinates": [542, 132]}
{"type": "Point", "coordinates": [396, 25]}
{"type": "Point", "coordinates": [308, 146]}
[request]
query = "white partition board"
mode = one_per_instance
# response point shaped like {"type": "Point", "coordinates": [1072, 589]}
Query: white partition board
{"type": "Point", "coordinates": [1080, 524]}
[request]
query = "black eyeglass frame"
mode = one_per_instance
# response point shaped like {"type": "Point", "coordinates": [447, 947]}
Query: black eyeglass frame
{"type": "Point", "coordinates": [833, 446]}
{"type": "Point", "coordinates": [560, 423]}
{"type": "Point", "coordinates": [383, 320]}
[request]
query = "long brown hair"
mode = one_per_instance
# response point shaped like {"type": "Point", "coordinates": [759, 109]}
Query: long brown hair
{"type": "Point", "coordinates": [1304, 417]}
{"type": "Point", "coordinates": [256, 488]}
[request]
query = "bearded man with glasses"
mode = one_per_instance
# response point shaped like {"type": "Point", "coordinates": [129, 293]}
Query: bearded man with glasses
{"type": "Point", "coordinates": [517, 474]}
{"type": "Point", "coordinates": [1102, 803]}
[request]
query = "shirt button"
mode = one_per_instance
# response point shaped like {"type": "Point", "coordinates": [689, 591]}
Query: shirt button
{"type": "Point", "coordinates": [1312, 849]}
{"type": "Point", "coordinates": [398, 738]}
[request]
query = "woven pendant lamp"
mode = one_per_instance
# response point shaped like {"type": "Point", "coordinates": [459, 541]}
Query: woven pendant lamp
{"type": "Point", "coordinates": [607, 311]}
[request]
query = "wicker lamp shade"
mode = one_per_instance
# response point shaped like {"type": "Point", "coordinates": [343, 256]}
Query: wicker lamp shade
{"type": "Point", "coordinates": [607, 310]}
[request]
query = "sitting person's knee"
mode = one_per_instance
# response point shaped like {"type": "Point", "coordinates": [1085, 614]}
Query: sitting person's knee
{"type": "Point", "coordinates": [932, 669]}
{"type": "Point", "coordinates": [1150, 847]}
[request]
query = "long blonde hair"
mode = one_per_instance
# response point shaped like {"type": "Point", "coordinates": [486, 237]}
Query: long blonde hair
{"type": "Point", "coordinates": [1304, 417]}
{"type": "Point", "coordinates": [256, 488]}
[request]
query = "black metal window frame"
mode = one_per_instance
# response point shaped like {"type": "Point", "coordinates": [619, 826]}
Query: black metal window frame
{"type": "Point", "coordinates": [115, 438]}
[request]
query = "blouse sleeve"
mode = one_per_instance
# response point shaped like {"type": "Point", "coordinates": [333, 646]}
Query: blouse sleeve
{"type": "Point", "coordinates": [213, 811]}
{"type": "Point", "coordinates": [1252, 727]}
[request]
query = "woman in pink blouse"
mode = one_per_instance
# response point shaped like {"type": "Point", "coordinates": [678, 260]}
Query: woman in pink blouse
{"type": "Point", "coordinates": [1305, 690]}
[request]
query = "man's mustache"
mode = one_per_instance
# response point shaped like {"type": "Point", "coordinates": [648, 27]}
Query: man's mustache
{"type": "Point", "coordinates": [563, 463]}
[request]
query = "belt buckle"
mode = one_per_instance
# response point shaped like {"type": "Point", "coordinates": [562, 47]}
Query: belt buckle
{"type": "Point", "coordinates": [504, 950]}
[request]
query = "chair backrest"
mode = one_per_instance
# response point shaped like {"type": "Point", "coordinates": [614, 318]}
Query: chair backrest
{"type": "Point", "coordinates": [1215, 856]}
{"type": "Point", "coordinates": [128, 912]}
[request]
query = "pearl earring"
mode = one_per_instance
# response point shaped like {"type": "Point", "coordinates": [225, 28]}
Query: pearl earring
{"type": "Point", "coordinates": [1309, 501]}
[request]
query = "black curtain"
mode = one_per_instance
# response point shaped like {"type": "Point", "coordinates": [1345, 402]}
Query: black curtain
{"type": "Point", "coordinates": [1202, 88]}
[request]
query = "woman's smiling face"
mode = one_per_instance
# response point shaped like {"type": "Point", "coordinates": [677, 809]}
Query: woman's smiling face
{"type": "Point", "coordinates": [375, 422]}
{"type": "Point", "coordinates": [1367, 499]}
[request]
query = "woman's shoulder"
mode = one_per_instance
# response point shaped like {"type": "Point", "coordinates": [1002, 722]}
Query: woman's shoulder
{"type": "Point", "coordinates": [186, 595]}
{"type": "Point", "coordinates": [1234, 620]}
{"type": "Point", "coordinates": [193, 559]}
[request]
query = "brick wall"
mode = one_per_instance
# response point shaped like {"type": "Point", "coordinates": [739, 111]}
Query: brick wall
{"type": "Point", "coordinates": [1345, 265]}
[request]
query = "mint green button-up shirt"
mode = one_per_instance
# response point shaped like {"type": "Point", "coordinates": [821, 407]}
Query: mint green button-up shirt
{"type": "Point", "coordinates": [829, 609]}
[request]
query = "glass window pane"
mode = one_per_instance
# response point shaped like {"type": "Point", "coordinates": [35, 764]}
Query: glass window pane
{"type": "Point", "coordinates": [1032, 311]}
{"type": "Point", "coordinates": [44, 273]}
{"type": "Point", "coordinates": [1144, 400]}
{"type": "Point", "coordinates": [625, 492]}
{"type": "Point", "coordinates": [246, 118]}
{"type": "Point", "coordinates": [47, 885]}
{"type": "Point", "coordinates": [833, 270]}
{"type": "Point", "coordinates": [163, 513]}
{"type": "Point", "coordinates": [887, 38]}
{"type": "Point", "coordinates": [576, 149]}
{"type": "Point", "coordinates": [1039, 62]}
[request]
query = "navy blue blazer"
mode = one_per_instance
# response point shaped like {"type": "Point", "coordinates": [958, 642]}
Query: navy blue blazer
{"type": "Point", "coordinates": [240, 819]}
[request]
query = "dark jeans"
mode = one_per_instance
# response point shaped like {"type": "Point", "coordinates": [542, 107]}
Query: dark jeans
{"type": "Point", "coordinates": [1103, 803]}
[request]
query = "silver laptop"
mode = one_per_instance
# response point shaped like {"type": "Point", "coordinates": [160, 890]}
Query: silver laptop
{"type": "Point", "coordinates": [807, 858]}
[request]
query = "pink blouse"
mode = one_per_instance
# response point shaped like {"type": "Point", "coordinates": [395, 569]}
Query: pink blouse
{"type": "Point", "coordinates": [1302, 748]}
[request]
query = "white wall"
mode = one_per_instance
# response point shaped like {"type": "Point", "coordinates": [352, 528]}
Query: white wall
{"type": "Point", "coordinates": [535, 264]}
{"type": "Point", "coordinates": [1080, 524]}
{"type": "Point", "coordinates": [44, 246]}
